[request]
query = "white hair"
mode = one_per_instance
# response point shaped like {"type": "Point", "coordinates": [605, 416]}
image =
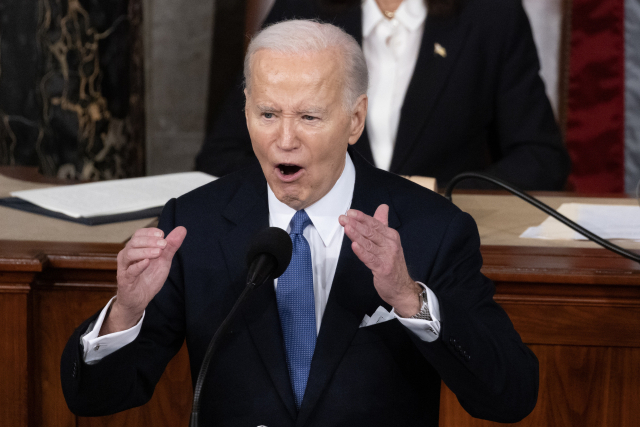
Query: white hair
{"type": "Point", "coordinates": [307, 36]}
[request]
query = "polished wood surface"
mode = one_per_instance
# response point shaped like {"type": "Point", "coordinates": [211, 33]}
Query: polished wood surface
{"type": "Point", "coordinates": [577, 308]}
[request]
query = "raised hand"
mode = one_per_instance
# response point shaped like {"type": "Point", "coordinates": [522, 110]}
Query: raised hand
{"type": "Point", "coordinates": [380, 249]}
{"type": "Point", "coordinates": [143, 267]}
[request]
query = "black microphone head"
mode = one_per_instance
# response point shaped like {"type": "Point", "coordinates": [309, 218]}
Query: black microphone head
{"type": "Point", "coordinates": [273, 241]}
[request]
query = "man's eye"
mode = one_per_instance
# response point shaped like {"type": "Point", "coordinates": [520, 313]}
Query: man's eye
{"type": "Point", "coordinates": [307, 117]}
{"type": "Point", "coordinates": [267, 115]}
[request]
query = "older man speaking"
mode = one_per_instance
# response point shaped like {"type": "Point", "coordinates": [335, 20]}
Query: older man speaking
{"type": "Point", "coordinates": [359, 331]}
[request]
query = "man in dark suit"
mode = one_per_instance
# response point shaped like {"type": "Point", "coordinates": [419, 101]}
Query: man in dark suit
{"type": "Point", "coordinates": [411, 257]}
{"type": "Point", "coordinates": [475, 101]}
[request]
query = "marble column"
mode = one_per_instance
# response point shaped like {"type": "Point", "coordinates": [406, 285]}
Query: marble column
{"type": "Point", "coordinates": [178, 36]}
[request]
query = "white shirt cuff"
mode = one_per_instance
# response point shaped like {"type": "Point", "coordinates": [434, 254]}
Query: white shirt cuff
{"type": "Point", "coordinates": [95, 347]}
{"type": "Point", "coordinates": [426, 330]}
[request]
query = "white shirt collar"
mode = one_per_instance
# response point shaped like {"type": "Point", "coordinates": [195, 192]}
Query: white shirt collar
{"type": "Point", "coordinates": [325, 212]}
{"type": "Point", "coordinates": [410, 13]}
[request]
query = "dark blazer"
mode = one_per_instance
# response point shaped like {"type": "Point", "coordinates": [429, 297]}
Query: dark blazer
{"type": "Point", "coordinates": [482, 108]}
{"type": "Point", "coordinates": [376, 376]}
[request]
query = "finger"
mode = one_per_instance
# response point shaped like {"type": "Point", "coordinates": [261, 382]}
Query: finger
{"type": "Point", "coordinates": [365, 242]}
{"type": "Point", "coordinates": [138, 268]}
{"type": "Point", "coordinates": [370, 230]}
{"type": "Point", "coordinates": [356, 215]}
{"type": "Point", "coordinates": [370, 239]}
{"type": "Point", "coordinates": [368, 259]}
{"type": "Point", "coordinates": [150, 232]}
{"type": "Point", "coordinates": [135, 255]}
{"type": "Point", "coordinates": [174, 241]}
{"type": "Point", "coordinates": [147, 242]}
{"type": "Point", "coordinates": [382, 214]}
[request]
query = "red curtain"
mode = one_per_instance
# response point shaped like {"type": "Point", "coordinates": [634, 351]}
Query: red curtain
{"type": "Point", "coordinates": [595, 116]}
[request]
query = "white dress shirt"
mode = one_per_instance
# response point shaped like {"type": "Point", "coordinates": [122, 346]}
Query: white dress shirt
{"type": "Point", "coordinates": [324, 235]}
{"type": "Point", "coordinates": [391, 48]}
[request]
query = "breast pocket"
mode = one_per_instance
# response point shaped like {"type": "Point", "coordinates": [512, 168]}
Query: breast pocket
{"type": "Point", "coordinates": [386, 331]}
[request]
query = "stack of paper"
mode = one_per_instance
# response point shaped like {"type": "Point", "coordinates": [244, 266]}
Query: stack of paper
{"type": "Point", "coordinates": [112, 198]}
{"type": "Point", "coordinates": [607, 221]}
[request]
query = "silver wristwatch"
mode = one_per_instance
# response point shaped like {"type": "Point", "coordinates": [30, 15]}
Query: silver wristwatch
{"type": "Point", "coordinates": [423, 314]}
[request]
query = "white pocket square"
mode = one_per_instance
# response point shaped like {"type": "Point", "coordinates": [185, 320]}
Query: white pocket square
{"type": "Point", "coordinates": [380, 315]}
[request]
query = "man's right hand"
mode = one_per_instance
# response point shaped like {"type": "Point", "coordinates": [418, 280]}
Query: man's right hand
{"type": "Point", "coordinates": [143, 267]}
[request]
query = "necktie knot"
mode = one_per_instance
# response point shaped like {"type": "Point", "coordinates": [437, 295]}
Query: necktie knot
{"type": "Point", "coordinates": [299, 222]}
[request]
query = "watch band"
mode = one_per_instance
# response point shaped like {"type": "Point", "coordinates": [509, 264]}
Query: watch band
{"type": "Point", "coordinates": [423, 314]}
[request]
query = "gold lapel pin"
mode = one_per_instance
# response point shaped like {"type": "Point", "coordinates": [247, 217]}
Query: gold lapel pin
{"type": "Point", "coordinates": [439, 50]}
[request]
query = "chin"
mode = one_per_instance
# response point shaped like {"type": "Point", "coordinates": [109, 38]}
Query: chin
{"type": "Point", "coordinates": [290, 199]}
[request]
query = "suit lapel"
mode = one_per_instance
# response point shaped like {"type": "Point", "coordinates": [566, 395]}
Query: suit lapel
{"type": "Point", "coordinates": [263, 322]}
{"type": "Point", "coordinates": [352, 296]}
{"type": "Point", "coordinates": [249, 212]}
{"type": "Point", "coordinates": [428, 80]}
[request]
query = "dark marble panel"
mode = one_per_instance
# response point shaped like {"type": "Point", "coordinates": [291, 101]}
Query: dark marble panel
{"type": "Point", "coordinates": [71, 87]}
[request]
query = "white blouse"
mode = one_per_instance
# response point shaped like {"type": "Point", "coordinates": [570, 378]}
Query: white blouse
{"type": "Point", "coordinates": [391, 48]}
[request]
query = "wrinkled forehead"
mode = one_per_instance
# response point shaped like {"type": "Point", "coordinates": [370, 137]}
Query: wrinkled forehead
{"type": "Point", "coordinates": [313, 69]}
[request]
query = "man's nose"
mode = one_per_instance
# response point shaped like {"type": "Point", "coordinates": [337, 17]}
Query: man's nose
{"type": "Point", "coordinates": [288, 139]}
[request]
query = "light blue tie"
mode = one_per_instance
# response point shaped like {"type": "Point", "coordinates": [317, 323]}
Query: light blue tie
{"type": "Point", "coordinates": [297, 309]}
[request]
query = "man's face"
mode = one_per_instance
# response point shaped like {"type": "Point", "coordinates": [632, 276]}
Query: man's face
{"type": "Point", "coordinates": [298, 125]}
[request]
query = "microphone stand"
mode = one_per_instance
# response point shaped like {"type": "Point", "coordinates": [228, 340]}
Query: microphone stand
{"type": "Point", "coordinates": [268, 257]}
{"type": "Point", "coordinates": [543, 207]}
{"type": "Point", "coordinates": [211, 349]}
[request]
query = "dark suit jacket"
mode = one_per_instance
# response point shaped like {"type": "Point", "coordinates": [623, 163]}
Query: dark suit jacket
{"type": "Point", "coordinates": [376, 376]}
{"type": "Point", "coordinates": [482, 108]}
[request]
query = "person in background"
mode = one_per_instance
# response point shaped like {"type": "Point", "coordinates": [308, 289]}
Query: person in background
{"type": "Point", "coordinates": [455, 87]}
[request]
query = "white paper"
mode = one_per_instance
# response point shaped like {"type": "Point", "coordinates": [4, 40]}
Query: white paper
{"type": "Point", "coordinates": [607, 221]}
{"type": "Point", "coordinates": [114, 197]}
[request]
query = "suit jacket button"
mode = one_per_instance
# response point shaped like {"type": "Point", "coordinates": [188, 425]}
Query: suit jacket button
{"type": "Point", "coordinates": [468, 357]}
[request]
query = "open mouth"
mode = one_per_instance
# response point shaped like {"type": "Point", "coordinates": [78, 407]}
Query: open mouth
{"type": "Point", "coordinates": [288, 169]}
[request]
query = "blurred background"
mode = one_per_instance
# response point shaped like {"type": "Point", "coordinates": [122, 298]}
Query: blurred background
{"type": "Point", "coordinates": [96, 90]}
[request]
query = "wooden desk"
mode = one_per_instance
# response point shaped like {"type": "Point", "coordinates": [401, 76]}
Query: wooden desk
{"type": "Point", "coordinates": [578, 308]}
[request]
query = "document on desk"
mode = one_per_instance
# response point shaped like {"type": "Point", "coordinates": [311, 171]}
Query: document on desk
{"type": "Point", "coordinates": [607, 221]}
{"type": "Point", "coordinates": [116, 196]}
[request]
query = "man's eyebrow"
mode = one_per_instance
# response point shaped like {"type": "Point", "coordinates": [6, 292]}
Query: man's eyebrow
{"type": "Point", "coordinates": [312, 110]}
{"type": "Point", "coordinates": [267, 109]}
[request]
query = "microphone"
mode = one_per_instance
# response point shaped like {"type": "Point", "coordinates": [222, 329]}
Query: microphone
{"type": "Point", "coordinates": [268, 256]}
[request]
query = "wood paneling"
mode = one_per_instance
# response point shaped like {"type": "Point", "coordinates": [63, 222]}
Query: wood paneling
{"type": "Point", "coordinates": [169, 406]}
{"type": "Point", "coordinates": [579, 386]}
{"type": "Point", "coordinates": [58, 310]}
{"type": "Point", "coordinates": [578, 309]}
{"type": "Point", "coordinates": [576, 325]}
{"type": "Point", "coordinates": [14, 391]}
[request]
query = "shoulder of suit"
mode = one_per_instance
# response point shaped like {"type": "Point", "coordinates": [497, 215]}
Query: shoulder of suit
{"type": "Point", "coordinates": [218, 193]}
{"type": "Point", "coordinates": [411, 199]}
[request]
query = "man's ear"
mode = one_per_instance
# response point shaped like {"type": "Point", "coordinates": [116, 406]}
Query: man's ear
{"type": "Point", "coordinates": [358, 118]}
{"type": "Point", "coordinates": [246, 100]}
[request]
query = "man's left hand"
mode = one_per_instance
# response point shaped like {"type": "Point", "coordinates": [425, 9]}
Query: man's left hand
{"type": "Point", "coordinates": [380, 249]}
